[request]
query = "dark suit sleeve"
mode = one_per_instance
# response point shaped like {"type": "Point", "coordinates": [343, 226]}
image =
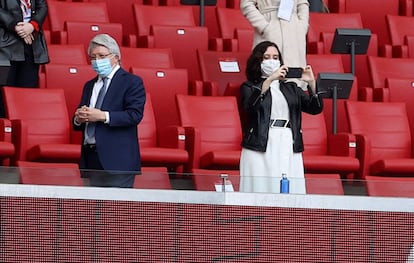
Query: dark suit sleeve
{"type": "Point", "coordinates": [133, 103]}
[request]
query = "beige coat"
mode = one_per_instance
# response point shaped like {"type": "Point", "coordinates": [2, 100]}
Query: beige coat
{"type": "Point", "coordinates": [290, 36]}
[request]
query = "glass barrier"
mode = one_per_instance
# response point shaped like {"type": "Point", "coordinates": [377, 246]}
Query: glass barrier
{"type": "Point", "coordinates": [214, 181]}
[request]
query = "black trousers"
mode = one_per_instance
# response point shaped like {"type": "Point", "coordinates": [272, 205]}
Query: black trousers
{"type": "Point", "coordinates": [101, 178]}
{"type": "Point", "coordinates": [24, 73]}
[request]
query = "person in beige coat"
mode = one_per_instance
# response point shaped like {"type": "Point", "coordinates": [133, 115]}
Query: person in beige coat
{"type": "Point", "coordinates": [289, 32]}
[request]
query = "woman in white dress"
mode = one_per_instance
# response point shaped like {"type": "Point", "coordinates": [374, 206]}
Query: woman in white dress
{"type": "Point", "coordinates": [272, 142]}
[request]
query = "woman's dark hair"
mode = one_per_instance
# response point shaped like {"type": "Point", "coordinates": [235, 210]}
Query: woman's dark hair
{"type": "Point", "coordinates": [253, 68]}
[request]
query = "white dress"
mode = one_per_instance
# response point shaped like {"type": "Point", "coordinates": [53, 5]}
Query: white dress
{"type": "Point", "coordinates": [262, 171]}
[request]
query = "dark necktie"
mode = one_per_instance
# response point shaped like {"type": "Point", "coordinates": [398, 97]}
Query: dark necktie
{"type": "Point", "coordinates": [90, 128]}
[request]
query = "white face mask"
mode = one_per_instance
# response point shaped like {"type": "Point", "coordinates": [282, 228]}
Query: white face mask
{"type": "Point", "coordinates": [269, 66]}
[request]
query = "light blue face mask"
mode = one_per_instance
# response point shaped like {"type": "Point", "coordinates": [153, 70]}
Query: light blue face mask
{"type": "Point", "coordinates": [102, 66]}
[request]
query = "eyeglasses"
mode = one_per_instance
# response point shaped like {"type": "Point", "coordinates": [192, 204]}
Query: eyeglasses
{"type": "Point", "coordinates": [100, 56]}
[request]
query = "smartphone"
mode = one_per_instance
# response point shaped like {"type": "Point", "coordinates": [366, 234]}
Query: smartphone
{"type": "Point", "coordinates": [294, 72]}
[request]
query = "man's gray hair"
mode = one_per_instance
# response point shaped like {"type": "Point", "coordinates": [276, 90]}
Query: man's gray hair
{"type": "Point", "coordinates": [106, 41]}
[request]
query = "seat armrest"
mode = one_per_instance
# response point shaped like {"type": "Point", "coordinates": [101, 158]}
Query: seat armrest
{"type": "Point", "coordinates": [406, 7]}
{"type": "Point", "coordinates": [193, 147]}
{"type": "Point", "coordinates": [130, 40]}
{"type": "Point", "coordinates": [400, 51]}
{"type": "Point", "coordinates": [19, 139]}
{"type": "Point", "coordinates": [210, 88]}
{"type": "Point", "coordinates": [363, 153]}
{"type": "Point", "coordinates": [196, 87]}
{"type": "Point", "coordinates": [385, 51]}
{"type": "Point", "coordinates": [342, 144]}
{"type": "Point", "coordinates": [365, 94]}
{"type": "Point", "coordinates": [215, 44]}
{"type": "Point", "coordinates": [381, 94]}
{"type": "Point", "coordinates": [6, 128]}
{"type": "Point", "coordinates": [172, 137]}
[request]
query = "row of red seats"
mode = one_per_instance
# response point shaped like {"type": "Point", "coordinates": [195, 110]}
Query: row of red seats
{"type": "Point", "coordinates": [212, 138]}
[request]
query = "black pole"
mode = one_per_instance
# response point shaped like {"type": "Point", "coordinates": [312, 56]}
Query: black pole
{"type": "Point", "coordinates": [334, 98]}
{"type": "Point", "coordinates": [353, 57]}
{"type": "Point", "coordinates": [202, 4]}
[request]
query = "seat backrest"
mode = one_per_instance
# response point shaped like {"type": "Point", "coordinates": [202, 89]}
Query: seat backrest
{"type": "Point", "coordinates": [60, 12]}
{"type": "Point", "coordinates": [163, 85]}
{"type": "Point", "coordinates": [402, 90]}
{"type": "Point", "coordinates": [181, 41]}
{"type": "Point", "coordinates": [389, 186]}
{"type": "Point", "coordinates": [328, 22]}
{"type": "Point", "coordinates": [67, 174]}
{"type": "Point", "coordinates": [216, 118]}
{"type": "Point", "coordinates": [230, 19]}
{"type": "Point", "coordinates": [75, 77]}
{"type": "Point", "coordinates": [331, 63]}
{"type": "Point", "coordinates": [386, 126]}
{"type": "Point", "coordinates": [315, 136]}
{"type": "Point", "coordinates": [147, 16]}
{"type": "Point", "coordinates": [146, 58]}
{"type": "Point", "coordinates": [381, 68]}
{"type": "Point", "coordinates": [147, 128]}
{"type": "Point", "coordinates": [399, 27]}
{"type": "Point", "coordinates": [223, 67]}
{"type": "Point", "coordinates": [83, 32]}
{"type": "Point", "coordinates": [67, 54]}
{"type": "Point", "coordinates": [43, 112]}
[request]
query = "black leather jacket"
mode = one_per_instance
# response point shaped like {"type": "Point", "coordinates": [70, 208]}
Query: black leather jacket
{"type": "Point", "coordinates": [258, 107]}
{"type": "Point", "coordinates": [11, 45]}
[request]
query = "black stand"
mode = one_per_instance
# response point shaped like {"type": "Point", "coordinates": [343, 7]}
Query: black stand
{"type": "Point", "coordinates": [201, 3]}
{"type": "Point", "coordinates": [351, 41]}
{"type": "Point", "coordinates": [335, 86]}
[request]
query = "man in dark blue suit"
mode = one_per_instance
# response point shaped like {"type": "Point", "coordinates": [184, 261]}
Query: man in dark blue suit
{"type": "Point", "coordinates": [111, 106]}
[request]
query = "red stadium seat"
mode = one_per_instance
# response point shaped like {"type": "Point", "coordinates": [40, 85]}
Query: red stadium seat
{"type": "Point", "coordinates": [60, 12]}
{"type": "Point", "coordinates": [67, 174]}
{"type": "Point", "coordinates": [184, 49]}
{"type": "Point", "coordinates": [372, 13]}
{"type": "Point", "coordinates": [383, 138]}
{"type": "Point", "coordinates": [399, 90]}
{"type": "Point", "coordinates": [332, 63]}
{"type": "Point", "coordinates": [210, 15]}
{"type": "Point", "coordinates": [213, 131]}
{"type": "Point", "coordinates": [121, 12]}
{"type": "Point", "coordinates": [390, 186]}
{"type": "Point", "coordinates": [40, 125]}
{"type": "Point", "coordinates": [236, 31]}
{"type": "Point", "coordinates": [329, 154]}
{"type": "Point", "coordinates": [64, 54]}
{"type": "Point", "coordinates": [83, 32]}
{"type": "Point", "coordinates": [219, 69]}
{"type": "Point", "coordinates": [382, 68]}
{"type": "Point", "coordinates": [398, 34]}
{"type": "Point", "coordinates": [321, 33]}
{"type": "Point", "coordinates": [68, 54]}
{"type": "Point", "coordinates": [75, 77]}
{"type": "Point", "coordinates": [147, 16]}
{"type": "Point", "coordinates": [163, 85]}
{"type": "Point", "coordinates": [146, 58]}
{"type": "Point", "coordinates": [160, 147]}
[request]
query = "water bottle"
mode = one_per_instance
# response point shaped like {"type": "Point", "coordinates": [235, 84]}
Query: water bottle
{"type": "Point", "coordinates": [284, 184]}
